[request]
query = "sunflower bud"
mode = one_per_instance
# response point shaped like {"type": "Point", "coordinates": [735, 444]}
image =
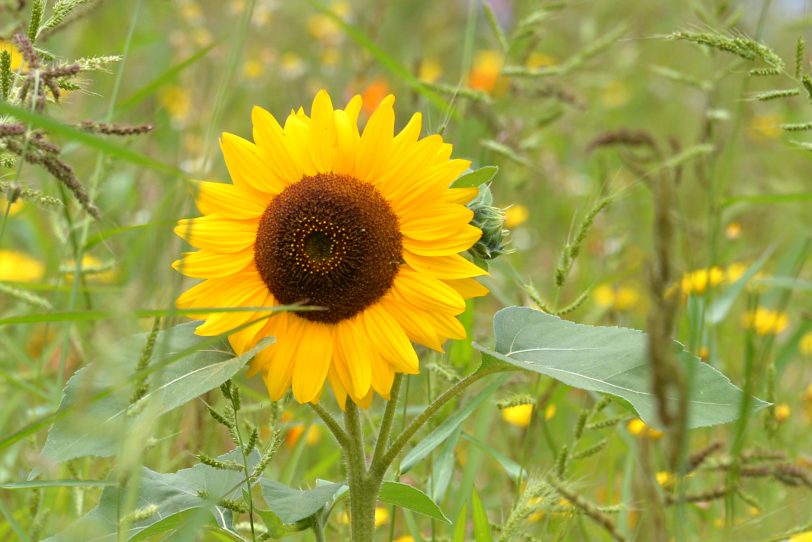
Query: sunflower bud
{"type": "Point", "coordinates": [491, 221]}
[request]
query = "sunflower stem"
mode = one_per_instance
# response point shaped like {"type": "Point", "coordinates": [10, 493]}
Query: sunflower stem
{"type": "Point", "coordinates": [388, 419]}
{"type": "Point", "coordinates": [363, 487]}
{"type": "Point", "coordinates": [332, 424]}
{"type": "Point", "coordinates": [379, 468]}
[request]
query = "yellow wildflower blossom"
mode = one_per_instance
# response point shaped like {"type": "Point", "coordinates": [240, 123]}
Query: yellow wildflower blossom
{"type": "Point", "coordinates": [782, 412]}
{"type": "Point", "coordinates": [805, 345]}
{"type": "Point", "coordinates": [16, 57]}
{"type": "Point", "coordinates": [639, 429]}
{"type": "Point", "coordinates": [430, 70]}
{"type": "Point", "coordinates": [733, 231]}
{"type": "Point", "coordinates": [516, 215]}
{"type": "Point", "coordinates": [538, 60]}
{"type": "Point", "coordinates": [765, 321]}
{"type": "Point", "coordinates": [665, 478]}
{"type": "Point", "coordinates": [19, 267]}
{"type": "Point", "coordinates": [16, 207]}
{"type": "Point", "coordinates": [621, 298]}
{"type": "Point", "coordinates": [765, 126]}
{"type": "Point", "coordinates": [518, 415]}
{"type": "Point", "coordinates": [486, 72]}
{"type": "Point", "coordinates": [177, 101]}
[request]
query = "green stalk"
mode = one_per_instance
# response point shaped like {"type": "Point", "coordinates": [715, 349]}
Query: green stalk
{"type": "Point", "coordinates": [388, 419]}
{"type": "Point", "coordinates": [363, 487]}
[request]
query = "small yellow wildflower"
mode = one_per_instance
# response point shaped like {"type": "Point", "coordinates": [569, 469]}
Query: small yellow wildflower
{"type": "Point", "coordinates": [538, 60]}
{"type": "Point", "coordinates": [622, 298]}
{"type": "Point", "coordinates": [733, 231]}
{"type": "Point", "coordinates": [665, 478]}
{"type": "Point", "coordinates": [704, 353]}
{"type": "Point", "coordinates": [381, 516]}
{"type": "Point", "coordinates": [805, 345]}
{"type": "Point", "coordinates": [782, 412]}
{"type": "Point", "coordinates": [696, 282]}
{"type": "Point", "coordinates": [430, 70]}
{"type": "Point", "coordinates": [330, 57]}
{"type": "Point", "coordinates": [19, 267]}
{"type": "Point", "coordinates": [253, 68]}
{"type": "Point", "coordinates": [404, 538]}
{"type": "Point", "coordinates": [639, 429]}
{"type": "Point", "coordinates": [766, 126]}
{"type": "Point", "coordinates": [753, 510]}
{"type": "Point", "coordinates": [93, 268]}
{"type": "Point", "coordinates": [16, 57]}
{"type": "Point", "coordinates": [549, 412]}
{"type": "Point", "coordinates": [291, 65]}
{"type": "Point", "coordinates": [734, 272]}
{"type": "Point", "coordinates": [486, 72]}
{"type": "Point", "coordinates": [518, 415]}
{"type": "Point", "coordinates": [177, 101]}
{"type": "Point", "coordinates": [16, 207]}
{"type": "Point", "coordinates": [801, 537]}
{"type": "Point", "coordinates": [295, 432]}
{"type": "Point", "coordinates": [615, 94]}
{"type": "Point", "coordinates": [516, 215]}
{"type": "Point", "coordinates": [765, 321]}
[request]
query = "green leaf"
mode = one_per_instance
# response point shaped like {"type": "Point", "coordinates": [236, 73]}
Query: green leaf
{"type": "Point", "coordinates": [411, 498]}
{"type": "Point", "coordinates": [443, 466]}
{"type": "Point", "coordinates": [610, 360]}
{"type": "Point", "coordinates": [460, 525]}
{"type": "Point", "coordinates": [721, 305]}
{"type": "Point", "coordinates": [482, 526]}
{"type": "Point", "coordinates": [445, 429]}
{"type": "Point", "coordinates": [38, 484]}
{"type": "Point", "coordinates": [98, 397]}
{"type": "Point", "coordinates": [511, 467]}
{"type": "Point", "coordinates": [476, 177]}
{"type": "Point", "coordinates": [171, 499]}
{"type": "Point", "coordinates": [292, 505]}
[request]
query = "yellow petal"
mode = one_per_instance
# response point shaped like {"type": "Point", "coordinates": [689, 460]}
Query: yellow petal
{"type": "Point", "coordinates": [271, 142]}
{"type": "Point", "coordinates": [209, 265]}
{"type": "Point", "coordinates": [338, 387]}
{"type": "Point", "coordinates": [280, 367]}
{"type": "Point", "coordinates": [390, 340]}
{"type": "Point", "coordinates": [352, 345]}
{"type": "Point", "coordinates": [217, 234]}
{"type": "Point", "coordinates": [411, 319]}
{"type": "Point", "coordinates": [452, 266]}
{"type": "Point", "coordinates": [376, 141]}
{"type": "Point", "coordinates": [460, 195]}
{"type": "Point", "coordinates": [347, 139]}
{"type": "Point", "coordinates": [431, 187]}
{"type": "Point", "coordinates": [312, 362]}
{"type": "Point", "coordinates": [427, 292]}
{"type": "Point", "coordinates": [382, 376]}
{"type": "Point", "coordinates": [446, 325]}
{"type": "Point", "coordinates": [453, 244]}
{"type": "Point", "coordinates": [322, 133]}
{"type": "Point", "coordinates": [247, 296]}
{"type": "Point", "coordinates": [247, 166]}
{"type": "Point", "coordinates": [275, 326]}
{"type": "Point", "coordinates": [467, 288]}
{"type": "Point", "coordinates": [297, 141]}
{"type": "Point", "coordinates": [435, 222]}
{"type": "Point", "coordinates": [229, 200]}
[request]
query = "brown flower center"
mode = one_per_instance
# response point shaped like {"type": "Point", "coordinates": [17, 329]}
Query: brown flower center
{"type": "Point", "coordinates": [329, 240]}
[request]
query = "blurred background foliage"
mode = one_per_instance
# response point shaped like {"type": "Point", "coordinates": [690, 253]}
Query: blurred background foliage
{"type": "Point", "coordinates": [572, 74]}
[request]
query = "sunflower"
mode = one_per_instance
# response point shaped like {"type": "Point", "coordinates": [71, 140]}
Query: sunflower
{"type": "Point", "coordinates": [362, 225]}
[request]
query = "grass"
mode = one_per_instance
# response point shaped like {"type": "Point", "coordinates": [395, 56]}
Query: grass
{"type": "Point", "coordinates": [593, 103]}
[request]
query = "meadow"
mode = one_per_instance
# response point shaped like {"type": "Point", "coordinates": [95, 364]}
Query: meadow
{"type": "Point", "coordinates": [634, 165]}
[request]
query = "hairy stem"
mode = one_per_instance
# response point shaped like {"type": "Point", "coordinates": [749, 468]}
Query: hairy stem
{"type": "Point", "coordinates": [332, 424]}
{"type": "Point", "coordinates": [363, 488]}
{"type": "Point", "coordinates": [388, 419]}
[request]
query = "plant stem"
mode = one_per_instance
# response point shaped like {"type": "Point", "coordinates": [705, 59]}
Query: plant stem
{"type": "Point", "coordinates": [388, 419]}
{"type": "Point", "coordinates": [378, 468]}
{"type": "Point", "coordinates": [332, 424]}
{"type": "Point", "coordinates": [363, 487]}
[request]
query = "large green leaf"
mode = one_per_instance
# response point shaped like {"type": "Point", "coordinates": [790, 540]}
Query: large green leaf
{"type": "Point", "coordinates": [479, 517]}
{"type": "Point", "coordinates": [292, 505]}
{"type": "Point", "coordinates": [170, 497]}
{"type": "Point", "coordinates": [98, 395]}
{"type": "Point", "coordinates": [411, 498]}
{"type": "Point", "coordinates": [610, 360]}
